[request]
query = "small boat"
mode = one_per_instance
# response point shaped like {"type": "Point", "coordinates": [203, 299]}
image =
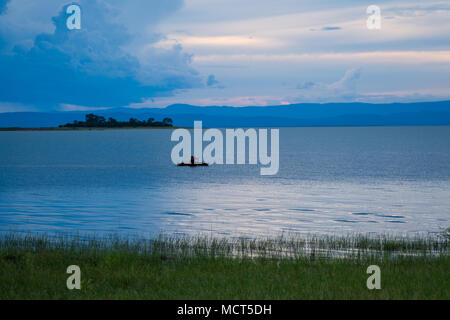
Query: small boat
{"type": "Point", "coordinates": [203, 164]}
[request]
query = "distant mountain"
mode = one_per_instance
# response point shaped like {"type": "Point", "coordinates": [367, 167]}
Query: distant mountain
{"type": "Point", "coordinates": [305, 114]}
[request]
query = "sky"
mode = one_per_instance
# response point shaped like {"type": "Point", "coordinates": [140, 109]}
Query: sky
{"type": "Point", "coordinates": [146, 53]}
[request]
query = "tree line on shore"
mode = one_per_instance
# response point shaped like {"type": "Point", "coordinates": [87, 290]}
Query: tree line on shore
{"type": "Point", "coordinates": [95, 121]}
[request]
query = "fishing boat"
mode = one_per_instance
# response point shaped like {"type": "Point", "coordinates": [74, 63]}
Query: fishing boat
{"type": "Point", "coordinates": [202, 164]}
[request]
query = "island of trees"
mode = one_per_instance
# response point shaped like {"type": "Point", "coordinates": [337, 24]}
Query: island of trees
{"type": "Point", "coordinates": [95, 121]}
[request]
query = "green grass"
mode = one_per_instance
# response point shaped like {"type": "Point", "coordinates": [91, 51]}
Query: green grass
{"type": "Point", "coordinates": [34, 267]}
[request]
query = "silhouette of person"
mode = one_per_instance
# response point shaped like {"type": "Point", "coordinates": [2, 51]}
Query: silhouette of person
{"type": "Point", "coordinates": [192, 159]}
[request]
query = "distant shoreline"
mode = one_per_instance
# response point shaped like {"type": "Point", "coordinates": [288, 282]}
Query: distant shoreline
{"type": "Point", "coordinates": [83, 129]}
{"type": "Point", "coordinates": [173, 127]}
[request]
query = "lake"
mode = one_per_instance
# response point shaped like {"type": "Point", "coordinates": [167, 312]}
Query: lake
{"type": "Point", "coordinates": [332, 180]}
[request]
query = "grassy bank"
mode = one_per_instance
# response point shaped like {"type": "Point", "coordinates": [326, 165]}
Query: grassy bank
{"type": "Point", "coordinates": [34, 267]}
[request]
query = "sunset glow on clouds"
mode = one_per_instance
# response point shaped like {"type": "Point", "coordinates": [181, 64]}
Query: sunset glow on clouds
{"type": "Point", "coordinates": [301, 41]}
{"type": "Point", "coordinates": [221, 52]}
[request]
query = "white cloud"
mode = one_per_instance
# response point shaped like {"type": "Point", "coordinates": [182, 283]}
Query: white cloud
{"type": "Point", "coordinates": [94, 66]}
{"type": "Point", "coordinates": [401, 57]}
{"type": "Point", "coordinates": [72, 107]}
{"type": "Point", "coordinates": [341, 90]}
{"type": "Point", "coordinates": [224, 41]}
{"type": "Point", "coordinates": [15, 107]}
{"type": "Point", "coordinates": [233, 101]}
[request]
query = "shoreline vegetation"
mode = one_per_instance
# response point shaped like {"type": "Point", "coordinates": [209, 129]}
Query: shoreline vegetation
{"type": "Point", "coordinates": [84, 129]}
{"type": "Point", "coordinates": [95, 122]}
{"type": "Point", "coordinates": [204, 267]}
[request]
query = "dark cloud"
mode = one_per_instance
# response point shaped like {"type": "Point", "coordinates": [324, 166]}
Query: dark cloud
{"type": "Point", "coordinates": [331, 28]}
{"type": "Point", "coordinates": [305, 85]}
{"type": "Point", "coordinates": [212, 82]}
{"type": "Point", "coordinates": [3, 5]}
{"type": "Point", "coordinates": [90, 67]}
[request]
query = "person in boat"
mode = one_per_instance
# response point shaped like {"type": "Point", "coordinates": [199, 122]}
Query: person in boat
{"type": "Point", "coordinates": [192, 160]}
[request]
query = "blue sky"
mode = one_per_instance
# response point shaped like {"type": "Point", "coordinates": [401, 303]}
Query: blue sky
{"type": "Point", "coordinates": [142, 53]}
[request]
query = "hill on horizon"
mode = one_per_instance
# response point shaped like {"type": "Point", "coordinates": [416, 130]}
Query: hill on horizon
{"type": "Point", "coordinates": [304, 114]}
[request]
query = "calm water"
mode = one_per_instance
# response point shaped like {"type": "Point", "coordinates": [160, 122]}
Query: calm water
{"type": "Point", "coordinates": [331, 180]}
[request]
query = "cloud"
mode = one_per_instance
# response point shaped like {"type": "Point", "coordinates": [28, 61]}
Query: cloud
{"type": "Point", "coordinates": [339, 91]}
{"type": "Point", "coordinates": [213, 83]}
{"type": "Point", "coordinates": [234, 101]}
{"type": "Point", "coordinates": [418, 9]}
{"type": "Point", "coordinates": [306, 85]}
{"type": "Point", "coordinates": [15, 107]}
{"type": "Point", "coordinates": [71, 107]}
{"type": "Point", "coordinates": [3, 6]}
{"type": "Point", "coordinates": [226, 41]}
{"type": "Point", "coordinates": [366, 57]}
{"type": "Point", "coordinates": [405, 96]}
{"type": "Point", "coordinates": [348, 82]}
{"type": "Point", "coordinates": [331, 28]}
{"type": "Point", "coordinates": [345, 90]}
{"type": "Point", "coordinates": [96, 66]}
